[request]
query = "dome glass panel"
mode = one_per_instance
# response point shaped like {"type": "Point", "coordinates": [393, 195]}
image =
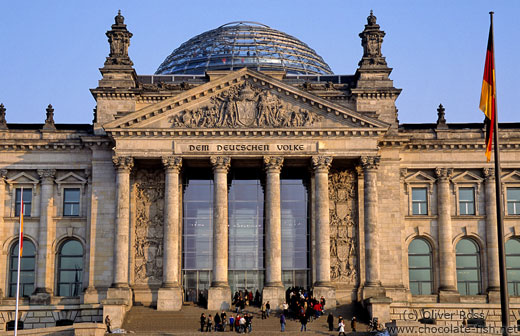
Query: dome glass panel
{"type": "Point", "coordinates": [244, 44]}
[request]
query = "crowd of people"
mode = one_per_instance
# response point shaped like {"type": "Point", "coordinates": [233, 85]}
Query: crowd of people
{"type": "Point", "coordinates": [300, 305]}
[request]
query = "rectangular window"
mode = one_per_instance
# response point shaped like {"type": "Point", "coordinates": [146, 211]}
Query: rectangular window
{"type": "Point", "coordinates": [419, 201]}
{"type": "Point", "coordinates": [467, 201]}
{"type": "Point", "coordinates": [27, 201]}
{"type": "Point", "coordinates": [71, 202]}
{"type": "Point", "coordinates": [513, 201]}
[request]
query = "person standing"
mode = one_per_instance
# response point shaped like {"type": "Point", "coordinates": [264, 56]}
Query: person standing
{"type": "Point", "coordinates": [263, 311]}
{"type": "Point", "coordinates": [107, 323]}
{"type": "Point", "coordinates": [285, 308]}
{"type": "Point", "coordinates": [341, 327]}
{"type": "Point", "coordinates": [209, 323]}
{"type": "Point", "coordinates": [223, 319]}
{"type": "Point", "coordinates": [282, 322]}
{"type": "Point", "coordinates": [217, 322]}
{"type": "Point", "coordinates": [231, 323]}
{"type": "Point", "coordinates": [202, 322]}
{"type": "Point", "coordinates": [353, 324]}
{"type": "Point", "coordinates": [303, 321]}
{"type": "Point", "coordinates": [267, 308]}
{"type": "Point", "coordinates": [330, 321]}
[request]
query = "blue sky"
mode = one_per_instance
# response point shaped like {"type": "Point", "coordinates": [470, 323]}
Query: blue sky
{"type": "Point", "coordinates": [50, 51]}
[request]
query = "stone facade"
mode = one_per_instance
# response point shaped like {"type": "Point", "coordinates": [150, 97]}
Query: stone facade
{"type": "Point", "coordinates": [364, 166]}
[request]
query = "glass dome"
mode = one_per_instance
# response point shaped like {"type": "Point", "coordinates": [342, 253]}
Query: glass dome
{"type": "Point", "coordinates": [244, 44]}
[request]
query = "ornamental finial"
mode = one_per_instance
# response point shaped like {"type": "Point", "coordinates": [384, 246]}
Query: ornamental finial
{"type": "Point", "coordinates": [441, 120]}
{"type": "Point", "coordinates": [3, 123]}
{"type": "Point", "coordinates": [49, 121]}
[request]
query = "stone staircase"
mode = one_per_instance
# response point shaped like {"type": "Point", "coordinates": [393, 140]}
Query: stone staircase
{"type": "Point", "coordinates": [142, 321]}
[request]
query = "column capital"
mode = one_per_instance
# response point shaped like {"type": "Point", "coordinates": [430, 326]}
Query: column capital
{"type": "Point", "coordinates": [443, 174]}
{"type": "Point", "coordinates": [3, 174]}
{"type": "Point", "coordinates": [370, 162]}
{"type": "Point", "coordinates": [46, 174]}
{"type": "Point", "coordinates": [173, 163]}
{"type": "Point", "coordinates": [220, 162]}
{"type": "Point", "coordinates": [123, 163]}
{"type": "Point", "coordinates": [489, 174]}
{"type": "Point", "coordinates": [321, 162]}
{"type": "Point", "coordinates": [273, 163]}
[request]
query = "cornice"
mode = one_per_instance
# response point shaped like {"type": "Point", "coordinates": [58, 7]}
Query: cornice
{"type": "Point", "coordinates": [366, 132]}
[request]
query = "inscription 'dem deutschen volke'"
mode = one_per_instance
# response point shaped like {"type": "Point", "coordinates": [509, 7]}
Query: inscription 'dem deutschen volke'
{"type": "Point", "coordinates": [247, 148]}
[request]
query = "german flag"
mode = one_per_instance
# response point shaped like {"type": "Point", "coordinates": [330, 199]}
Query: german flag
{"type": "Point", "coordinates": [488, 94]}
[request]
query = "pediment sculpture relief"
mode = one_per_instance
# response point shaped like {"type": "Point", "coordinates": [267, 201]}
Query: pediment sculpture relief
{"type": "Point", "coordinates": [245, 106]}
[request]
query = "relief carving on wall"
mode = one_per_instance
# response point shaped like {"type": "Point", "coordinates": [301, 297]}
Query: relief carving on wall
{"type": "Point", "coordinates": [149, 210]}
{"type": "Point", "coordinates": [244, 106]}
{"type": "Point", "coordinates": [343, 218]}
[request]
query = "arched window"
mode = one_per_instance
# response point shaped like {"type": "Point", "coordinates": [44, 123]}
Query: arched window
{"type": "Point", "coordinates": [26, 269]}
{"type": "Point", "coordinates": [513, 266]}
{"type": "Point", "coordinates": [468, 267]}
{"type": "Point", "coordinates": [70, 268]}
{"type": "Point", "coordinates": [420, 267]}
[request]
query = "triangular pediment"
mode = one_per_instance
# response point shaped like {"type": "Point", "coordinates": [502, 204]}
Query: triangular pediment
{"type": "Point", "coordinates": [246, 99]}
{"type": "Point", "coordinates": [71, 178]}
{"type": "Point", "coordinates": [467, 177]}
{"type": "Point", "coordinates": [512, 177]}
{"type": "Point", "coordinates": [419, 177]}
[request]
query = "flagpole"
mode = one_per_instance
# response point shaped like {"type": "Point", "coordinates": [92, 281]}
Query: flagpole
{"type": "Point", "coordinates": [20, 243]}
{"type": "Point", "coordinates": [504, 296]}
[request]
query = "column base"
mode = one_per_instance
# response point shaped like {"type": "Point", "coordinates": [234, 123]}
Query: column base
{"type": "Point", "coordinates": [493, 294]}
{"type": "Point", "coordinates": [169, 299]}
{"type": "Point", "coordinates": [373, 290]}
{"type": "Point", "coordinates": [379, 307]}
{"type": "Point", "coordinates": [41, 296]}
{"type": "Point", "coordinates": [449, 296]}
{"type": "Point", "coordinates": [275, 295]}
{"type": "Point", "coordinates": [123, 294]}
{"type": "Point", "coordinates": [328, 293]}
{"type": "Point", "coordinates": [219, 298]}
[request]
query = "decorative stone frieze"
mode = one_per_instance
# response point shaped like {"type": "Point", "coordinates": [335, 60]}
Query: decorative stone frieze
{"type": "Point", "coordinates": [343, 218]}
{"type": "Point", "coordinates": [245, 105]}
{"type": "Point", "coordinates": [370, 162]}
{"type": "Point", "coordinates": [148, 230]}
{"type": "Point", "coordinates": [443, 174]}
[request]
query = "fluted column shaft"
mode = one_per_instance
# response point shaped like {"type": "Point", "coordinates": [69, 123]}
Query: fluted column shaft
{"type": "Point", "coordinates": [171, 241]}
{"type": "Point", "coordinates": [446, 252]}
{"type": "Point", "coordinates": [220, 220]}
{"type": "Point", "coordinates": [121, 238]}
{"type": "Point", "coordinates": [321, 165]}
{"type": "Point", "coordinates": [370, 165]}
{"type": "Point", "coordinates": [491, 230]}
{"type": "Point", "coordinates": [44, 259]}
{"type": "Point", "coordinates": [273, 216]}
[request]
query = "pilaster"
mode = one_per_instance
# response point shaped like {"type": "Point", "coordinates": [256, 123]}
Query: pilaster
{"type": "Point", "coordinates": [493, 289]}
{"type": "Point", "coordinates": [447, 272]}
{"type": "Point", "coordinates": [44, 265]}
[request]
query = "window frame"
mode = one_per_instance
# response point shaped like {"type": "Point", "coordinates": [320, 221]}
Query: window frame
{"type": "Point", "coordinates": [418, 179]}
{"type": "Point", "coordinates": [430, 268]}
{"type": "Point", "coordinates": [16, 210]}
{"type": "Point", "coordinates": [478, 268]}
{"type": "Point", "coordinates": [460, 202]}
{"type": "Point", "coordinates": [506, 198]}
{"type": "Point", "coordinates": [79, 203]}
{"type": "Point", "coordinates": [11, 269]}
{"type": "Point", "coordinates": [426, 201]}
{"type": "Point", "coordinates": [59, 268]}
{"type": "Point", "coordinates": [515, 284]}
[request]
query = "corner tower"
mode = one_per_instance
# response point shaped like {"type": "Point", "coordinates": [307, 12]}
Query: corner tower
{"type": "Point", "coordinates": [374, 91]}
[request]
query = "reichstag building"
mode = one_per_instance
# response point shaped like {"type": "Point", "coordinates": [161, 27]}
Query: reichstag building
{"type": "Point", "coordinates": [244, 162]}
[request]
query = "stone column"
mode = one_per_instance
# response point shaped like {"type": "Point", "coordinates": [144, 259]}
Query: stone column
{"type": "Point", "coordinates": [120, 289]}
{"type": "Point", "coordinates": [448, 281]}
{"type": "Point", "coordinates": [170, 294]}
{"type": "Point", "coordinates": [219, 294]}
{"type": "Point", "coordinates": [45, 260]}
{"type": "Point", "coordinates": [492, 236]}
{"type": "Point", "coordinates": [322, 286]}
{"type": "Point", "coordinates": [273, 291]}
